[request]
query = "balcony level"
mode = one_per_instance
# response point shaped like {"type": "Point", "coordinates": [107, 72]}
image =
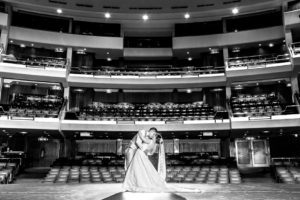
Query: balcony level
{"type": "Point", "coordinates": [258, 67]}
{"type": "Point", "coordinates": [44, 69]}
{"type": "Point", "coordinates": [291, 18]}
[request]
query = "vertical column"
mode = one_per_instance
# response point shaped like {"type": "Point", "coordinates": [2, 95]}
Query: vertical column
{"type": "Point", "coordinates": [69, 58]}
{"type": "Point", "coordinates": [176, 146]}
{"type": "Point", "coordinates": [119, 146]}
{"type": "Point", "coordinates": [1, 86]}
{"type": "Point", "coordinates": [288, 37]}
{"type": "Point", "coordinates": [5, 30]}
{"type": "Point", "coordinates": [295, 86]}
{"type": "Point", "coordinates": [228, 91]}
{"type": "Point", "coordinates": [67, 96]}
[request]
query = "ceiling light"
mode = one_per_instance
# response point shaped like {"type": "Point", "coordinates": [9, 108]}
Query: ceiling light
{"type": "Point", "coordinates": [108, 59]}
{"type": "Point", "coordinates": [32, 44]}
{"type": "Point", "coordinates": [59, 11]}
{"type": "Point", "coordinates": [187, 16]}
{"type": "Point", "coordinates": [22, 45]}
{"type": "Point", "coordinates": [187, 52]}
{"type": "Point", "coordinates": [235, 11]}
{"type": "Point", "coordinates": [289, 85]}
{"type": "Point", "coordinates": [259, 45]}
{"type": "Point", "coordinates": [271, 45]}
{"type": "Point", "coordinates": [145, 17]}
{"type": "Point", "coordinates": [11, 41]}
{"type": "Point", "coordinates": [214, 51]}
{"type": "Point", "coordinates": [107, 15]}
{"type": "Point", "coordinates": [6, 85]}
{"type": "Point", "coordinates": [107, 53]}
{"type": "Point", "coordinates": [108, 91]}
{"type": "Point", "coordinates": [23, 132]}
{"type": "Point", "coordinates": [190, 58]}
{"type": "Point", "coordinates": [236, 50]}
{"type": "Point", "coordinates": [188, 91]}
{"type": "Point", "coordinates": [81, 51]}
{"type": "Point", "coordinates": [235, 30]}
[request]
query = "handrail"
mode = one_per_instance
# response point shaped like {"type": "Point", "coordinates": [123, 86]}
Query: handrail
{"type": "Point", "coordinates": [26, 61]}
{"type": "Point", "coordinates": [257, 56]}
{"type": "Point", "coordinates": [148, 73]}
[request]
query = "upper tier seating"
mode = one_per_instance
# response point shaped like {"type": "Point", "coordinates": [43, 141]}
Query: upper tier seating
{"type": "Point", "coordinates": [153, 111]}
{"type": "Point", "coordinates": [35, 106]}
{"type": "Point", "coordinates": [39, 62]}
{"type": "Point", "coordinates": [287, 170]}
{"type": "Point", "coordinates": [260, 105]}
{"type": "Point", "coordinates": [140, 71]}
{"type": "Point", "coordinates": [257, 61]}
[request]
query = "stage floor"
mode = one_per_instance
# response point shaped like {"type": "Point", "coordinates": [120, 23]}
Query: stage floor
{"type": "Point", "coordinates": [40, 191]}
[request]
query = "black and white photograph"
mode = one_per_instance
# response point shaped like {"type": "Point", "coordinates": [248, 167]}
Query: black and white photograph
{"type": "Point", "coordinates": [149, 100]}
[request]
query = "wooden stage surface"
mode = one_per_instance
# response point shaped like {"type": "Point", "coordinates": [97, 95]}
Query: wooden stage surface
{"type": "Point", "coordinates": [41, 191]}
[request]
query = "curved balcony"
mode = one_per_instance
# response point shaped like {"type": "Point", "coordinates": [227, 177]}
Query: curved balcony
{"type": "Point", "coordinates": [47, 69]}
{"type": "Point", "coordinates": [294, 50]}
{"type": "Point", "coordinates": [258, 67]}
{"type": "Point", "coordinates": [158, 77]}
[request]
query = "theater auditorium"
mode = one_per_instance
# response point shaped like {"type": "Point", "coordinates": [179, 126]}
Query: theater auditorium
{"type": "Point", "coordinates": [81, 81]}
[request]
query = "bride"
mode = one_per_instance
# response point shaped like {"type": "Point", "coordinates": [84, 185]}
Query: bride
{"type": "Point", "coordinates": [141, 175]}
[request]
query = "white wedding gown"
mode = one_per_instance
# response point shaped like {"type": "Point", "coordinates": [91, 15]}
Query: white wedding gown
{"type": "Point", "coordinates": [141, 176]}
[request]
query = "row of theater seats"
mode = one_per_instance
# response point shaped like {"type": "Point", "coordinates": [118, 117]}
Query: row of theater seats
{"type": "Point", "coordinates": [40, 62]}
{"type": "Point", "coordinates": [8, 170]}
{"type": "Point", "coordinates": [167, 70]}
{"type": "Point", "coordinates": [157, 112]}
{"type": "Point", "coordinates": [254, 61]}
{"type": "Point", "coordinates": [35, 106]}
{"type": "Point", "coordinates": [85, 174]}
{"type": "Point", "coordinates": [259, 105]}
{"type": "Point", "coordinates": [113, 174]}
{"type": "Point", "coordinates": [289, 175]}
{"type": "Point", "coordinates": [204, 174]}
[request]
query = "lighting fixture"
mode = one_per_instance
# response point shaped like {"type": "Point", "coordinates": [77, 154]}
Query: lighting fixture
{"type": "Point", "coordinates": [6, 85]}
{"type": "Point", "coordinates": [108, 59]}
{"type": "Point", "coordinates": [271, 45]}
{"type": "Point", "coordinates": [43, 139]}
{"type": "Point", "coordinates": [32, 44]}
{"type": "Point", "coordinates": [188, 91]}
{"type": "Point", "coordinates": [214, 51]}
{"type": "Point", "coordinates": [145, 17]}
{"type": "Point", "coordinates": [259, 45]}
{"type": "Point", "coordinates": [236, 50]}
{"type": "Point", "coordinates": [59, 11]}
{"type": "Point", "coordinates": [235, 11]}
{"type": "Point", "coordinates": [23, 132]}
{"type": "Point", "coordinates": [187, 16]}
{"type": "Point", "coordinates": [107, 15]}
{"type": "Point", "coordinates": [22, 45]}
{"type": "Point", "coordinates": [108, 91]}
{"type": "Point", "coordinates": [56, 87]}
{"type": "Point", "coordinates": [187, 52]}
{"type": "Point", "coordinates": [289, 85]}
{"type": "Point", "coordinates": [190, 58]}
{"type": "Point", "coordinates": [107, 53]}
{"type": "Point", "coordinates": [81, 51]}
{"type": "Point", "coordinates": [58, 50]}
{"type": "Point", "coordinates": [11, 41]}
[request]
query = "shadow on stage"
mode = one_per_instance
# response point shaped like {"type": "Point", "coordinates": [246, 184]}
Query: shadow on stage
{"type": "Point", "coordinates": [144, 196]}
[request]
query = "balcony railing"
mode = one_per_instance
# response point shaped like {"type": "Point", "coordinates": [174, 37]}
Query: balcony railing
{"type": "Point", "coordinates": [257, 61]}
{"type": "Point", "coordinates": [294, 49]}
{"type": "Point", "coordinates": [36, 62]}
{"type": "Point", "coordinates": [155, 72]}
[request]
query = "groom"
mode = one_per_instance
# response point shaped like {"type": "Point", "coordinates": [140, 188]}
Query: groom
{"type": "Point", "coordinates": [137, 141]}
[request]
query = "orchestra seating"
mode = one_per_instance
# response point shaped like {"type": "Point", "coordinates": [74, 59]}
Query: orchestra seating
{"type": "Point", "coordinates": [8, 169]}
{"type": "Point", "coordinates": [31, 106]}
{"type": "Point", "coordinates": [259, 105]}
{"type": "Point", "coordinates": [152, 111]}
{"type": "Point", "coordinates": [257, 61]}
{"type": "Point", "coordinates": [39, 62]}
{"type": "Point", "coordinates": [163, 70]}
{"type": "Point", "coordinates": [287, 170]}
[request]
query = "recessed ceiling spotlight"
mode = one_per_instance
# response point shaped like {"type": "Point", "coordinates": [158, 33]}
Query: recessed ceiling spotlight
{"type": "Point", "coordinates": [6, 85]}
{"type": "Point", "coordinates": [108, 91]}
{"type": "Point", "coordinates": [259, 44]}
{"type": "Point", "coordinates": [188, 91]}
{"type": "Point", "coordinates": [235, 11]}
{"type": "Point", "coordinates": [289, 85]}
{"type": "Point", "coordinates": [187, 15]}
{"type": "Point", "coordinates": [107, 15]}
{"type": "Point", "coordinates": [145, 17]}
{"type": "Point", "coordinates": [235, 30]}
{"type": "Point", "coordinates": [107, 53]}
{"type": "Point", "coordinates": [271, 45]}
{"type": "Point", "coordinates": [23, 132]}
{"type": "Point", "coordinates": [11, 41]}
{"type": "Point", "coordinates": [108, 59]}
{"type": "Point", "coordinates": [22, 45]}
{"type": "Point", "coordinates": [59, 10]}
{"type": "Point", "coordinates": [32, 44]}
{"type": "Point", "coordinates": [187, 52]}
{"type": "Point", "coordinates": [190, 58]}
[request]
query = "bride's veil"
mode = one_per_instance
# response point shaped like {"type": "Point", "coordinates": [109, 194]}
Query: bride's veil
{"type": "Point", "coordinates": [162, 160]}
